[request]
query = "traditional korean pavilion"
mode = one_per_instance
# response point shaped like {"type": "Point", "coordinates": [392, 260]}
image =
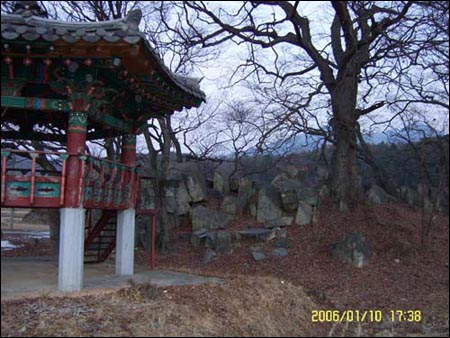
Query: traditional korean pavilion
{"type": "Point", "coordinates": [73, 82]}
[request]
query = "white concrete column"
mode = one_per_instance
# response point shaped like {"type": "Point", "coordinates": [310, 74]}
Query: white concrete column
{"type": "Point", "coordinates": [125, 242]}
{"type": "Point", "coordinates": [71, 249]}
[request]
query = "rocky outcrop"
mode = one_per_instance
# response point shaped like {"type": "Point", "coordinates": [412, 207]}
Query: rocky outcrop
{"type": "Point", "coordinates": [270, 210]}
{"type": "Point", "coordinates": [176, 197]}
{"type": "Point", "coordinates": [269, 205]}
{"type": "Point", "coordinates": [183, 187]}
{"type": "Point", "coordinates": [207, 219]}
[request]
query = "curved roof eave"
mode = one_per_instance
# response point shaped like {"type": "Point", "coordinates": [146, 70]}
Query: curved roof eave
{"type": "Point", "coordinates": [14, 26]}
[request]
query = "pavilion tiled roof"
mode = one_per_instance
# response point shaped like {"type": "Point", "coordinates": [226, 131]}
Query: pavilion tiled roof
{"type": "Point", "coordinates": [28, 26]}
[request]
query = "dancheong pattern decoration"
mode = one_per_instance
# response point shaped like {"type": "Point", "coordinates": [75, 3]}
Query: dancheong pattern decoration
{"type": "Point", "coordinates": [71, 83]}
{"type": "Point", "coordinates": [105, 184]}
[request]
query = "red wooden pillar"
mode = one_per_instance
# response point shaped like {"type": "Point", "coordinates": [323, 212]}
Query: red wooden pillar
{"type": "Point", "coordinates": [128, 155]}
{"type": "Point", "coordinates": [76, 145]}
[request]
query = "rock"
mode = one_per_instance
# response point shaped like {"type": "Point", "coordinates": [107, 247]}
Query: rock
{"type": "Point", "coordinates": [257, 234]}
{"type": "Point", "coordinates": [269, 205]}
{"type": "Point", "coordinates": [219, 241]}
{"type": "Point", "coordinates": [376, 195]}
{"type": "Point", "coordinates": [233, 205]}
{"type": "Point", "coordinates": [189, 173]}
{"type": "Point", "coordinates": [258, 254]}
{"type": "Point", "coordinates": [292, 171]}
{"type": "Point", "coordinates": [246, 188]}
{"type": "Point", "coordinates": [304, 214]}
{"type": "Point", "coordinates": [207, 219]}
{"type": "Point", "coordinates": [197, 237]}
{"type": "Point", "coordinates": [280, 222]}
{"type": "Point", "coordinates": [280, 252]}
{"type": "Point", "coordinates": [234, 184]}
{"type": "Point", "coordinates": [289, 199]}
{"type": "Point", "coordinates": [309, 196]}
{"type": "Point", "coordinates": [352, 249]}
{"type": "Point", "coordinates": [409, 195]}
{"type": "Point", "coordinates": [424, 194]}
{"type": "Point", "coordinates": [284, 181]}
{"type": "Point", "coordinates": [281, 243]}
{"type": "Point", "coordinates": [324, 193]}
{"type": "Point", "coordinates": [281, 181]}
{"type": "Point", "coordinates": [176, 197]}
{"type": "Point", "coordinates": [208, 256]}
{"type": "Point", "coordinates": [221, 183]}
{"type": "Point", "coordinates": [280, 232]}
{"type": "Point", "coordinates": [322, 173]}
{"type": "Point", "coordinates": [195, 188]}
{"type": "Point", "coordinates": [253, 210]}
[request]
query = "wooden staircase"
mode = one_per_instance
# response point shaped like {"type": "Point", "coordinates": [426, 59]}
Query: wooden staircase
{"type": "Point", "coordinates": [100, 239]}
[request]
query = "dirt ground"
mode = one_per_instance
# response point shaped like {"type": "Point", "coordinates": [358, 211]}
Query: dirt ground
{"type": "Point", "coordinates": [276, 297]}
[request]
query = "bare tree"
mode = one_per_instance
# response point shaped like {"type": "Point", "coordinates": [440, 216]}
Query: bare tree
{"type": "Point", "coordinates": [341, 63]}
{"type": "Point", "coordinates": [428, 146]}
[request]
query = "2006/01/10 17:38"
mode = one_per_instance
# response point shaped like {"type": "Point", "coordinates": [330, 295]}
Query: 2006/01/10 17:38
{"type": "Point", "coordinates": [337, 316]}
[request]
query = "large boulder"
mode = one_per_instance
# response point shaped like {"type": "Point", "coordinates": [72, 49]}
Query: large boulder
{"type": "Point", "coordinates": [189, 173]}
{"type": "Point", "coordinates": [409, 195]}
{"type": "Point", "coordinates": [289, 200]}
{"type": "Point", "coordinates": [216, 243]}
{"type": "Point", "coordinates": [182, 187]}
{"type": "Point", "coordinates": [219, 241]}
{"type": "Point", "coordinates": [376, 195]}
{"type": "Point", "coordinates": [233, 205]}
{"type": "Point", "coordinates": [309, 196]}
{"type": "Point", "coordinates": [284, 181]}
{"type": "Point", "coordinates": [292, 191]}
{"type": "Point", "coordinates": [208, 219]}
{"type": "Point", "coordinates": [352, 249]}
{"type": "Point", "coordinates": [425, 196]}
{"type": "Point", "coordinates": [176, 197]}
{"type": "Point", "coordinates": [322, 174]}
{"type": "Point", "coordinates": [246, 188]}
{"type": "Point", "coordinates": [269, 205]}
{"type": "Point", "coordinates": [304, 214]}
{"type": "Point", "coordinates": [257, 253]}
{"type": "Point", "coordinates": [221, 183]}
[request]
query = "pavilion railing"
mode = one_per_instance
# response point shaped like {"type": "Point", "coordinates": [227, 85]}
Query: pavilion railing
{"type": "Point", "coordinates": [103, 184]}
{"type": "Point", "coordinates": [26, 184]}
{"type": "Point", "coordinates": [108, 185]}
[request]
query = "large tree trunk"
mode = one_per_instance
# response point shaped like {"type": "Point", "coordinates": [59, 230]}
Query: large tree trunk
{"type": "Point", "coordinates": [344, 187]}
{"type": "Point", "coordinates": [344, 178]}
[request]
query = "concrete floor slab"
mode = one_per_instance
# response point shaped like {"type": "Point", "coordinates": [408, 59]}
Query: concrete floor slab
{"type": "Point", "coordinates": [34, 276]}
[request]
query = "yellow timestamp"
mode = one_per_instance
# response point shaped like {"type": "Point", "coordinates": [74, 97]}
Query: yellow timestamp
{"type": "Point", "coordinates": [412, 316]}
{"type": "Point", "coordinates": [371, 316]}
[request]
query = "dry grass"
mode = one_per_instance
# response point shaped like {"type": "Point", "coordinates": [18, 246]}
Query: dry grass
{"type": "Point", "coordinates": [243, 306]}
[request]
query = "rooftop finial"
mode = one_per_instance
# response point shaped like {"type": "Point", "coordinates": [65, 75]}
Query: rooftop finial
{"type": "Point", "coordinates": [134, 18]}
{"type": "Point", "coordinates": [29, 8]}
